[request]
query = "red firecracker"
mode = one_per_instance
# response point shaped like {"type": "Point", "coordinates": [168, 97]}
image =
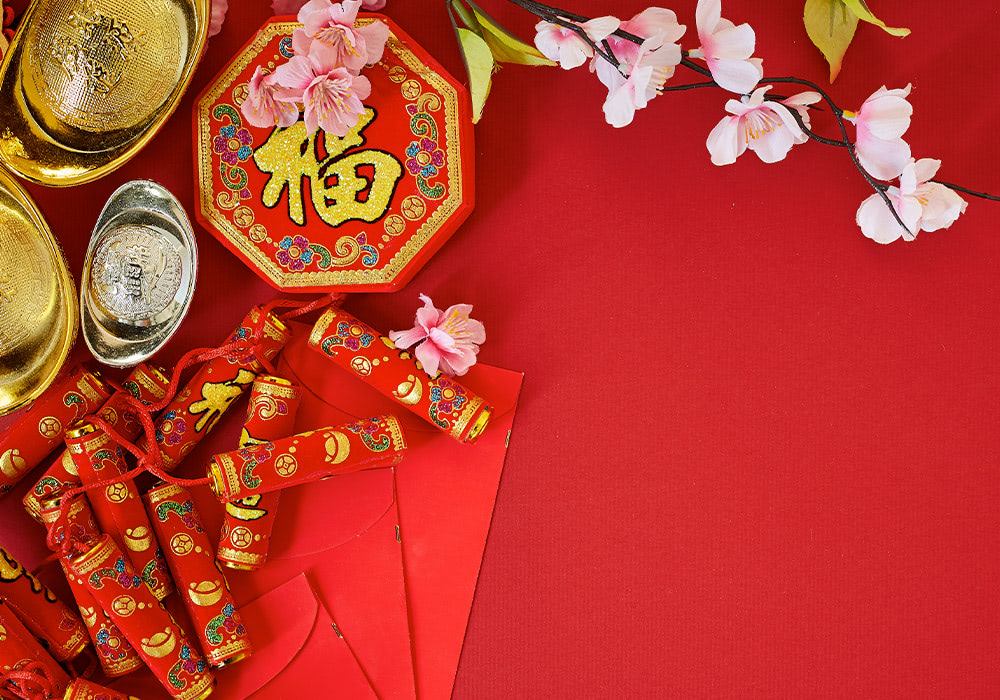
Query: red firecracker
{"type": "Point", "coordinates": [199, 405]}
{"type": "Point", "coordinates": [299, 459]}
{"type": "Point", "coordinates": [41, 428]}
{"type": "Point", "coordinates": [143, 620]}
{"type": "Point", "coordinates": [82, 689]}
{"type": "Point", "coordinates": [200, 581]}
{"type": "Point", "coordinates": [19, 649]}
{"type": "Point", "coordinates": [115, 654]}
{"type": "Point", "coordinates": [46, 616]}
{"type": "Point", "coordinates": [146, 383]}
{"type": "Point", "coordinates": [358, 348]}
{"type": "Point", "coordinates": [118, 507]}
{"type": "Point", "coordinates": [271, 415]}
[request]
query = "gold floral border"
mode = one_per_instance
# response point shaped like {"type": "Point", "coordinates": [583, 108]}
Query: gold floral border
{"type": "Point", "coordinates": [265, 264]}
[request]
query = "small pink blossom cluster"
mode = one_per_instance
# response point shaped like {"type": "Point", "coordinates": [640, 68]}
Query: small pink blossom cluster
{"type": "Point", "coordinates": [767, 126]}
{"type": "Point", "coordinates": [323, 78]}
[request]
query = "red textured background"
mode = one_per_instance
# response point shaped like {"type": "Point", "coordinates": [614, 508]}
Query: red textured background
{"type": "Point", "coordinates": [756, 453]}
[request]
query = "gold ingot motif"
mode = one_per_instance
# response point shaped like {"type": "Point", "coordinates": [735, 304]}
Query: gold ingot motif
{"type": "Point", "coordinates": [206, 593]}
{"type": "Point", "coordinates": [409, 392]}
{"type": "Point", "coordinates": [68, 465]}
{"type": "Point", "coordinates": [160, 644]}
{"type": "Point", "coordinates": [38, 307]}
{"type": "Point", "coordinates": [3, 633]}
{"type": "Point", "coordinates": [138, 539]}
{"type": "Point", "coordinates": [338, 446]}
{"type": "Point", "coordinates": [89, 616]}
{"type": "Point", "coordinates": [85, 84]}
{"type": "Point", "coordinates": [12, 464]}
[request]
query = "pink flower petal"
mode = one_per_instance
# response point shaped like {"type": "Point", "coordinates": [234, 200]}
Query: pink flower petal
{"type": "Point", "coordinates": [430, 357]}
{"type": "Point", "coordinates": [884, 160]}
{"type": "Point", "coordinates": [219, 9]}
{"type": "Point", "coordinates": [723, 141]}
{"type": "Point", "coordinates": [405, 339]}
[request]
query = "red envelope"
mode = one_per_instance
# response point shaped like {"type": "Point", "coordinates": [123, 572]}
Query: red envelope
{"type": "Point", "coordinates": [301, 637]}
{"type": "Point", "coordinates": [447, 492]}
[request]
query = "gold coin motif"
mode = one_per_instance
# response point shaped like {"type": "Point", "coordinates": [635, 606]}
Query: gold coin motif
{"type": "Point", "coordinates": [240, 93]}
{"type": "Point", "coordinates": [362, 366]}
{"type": "Point", "coordinates": [243, 216]}
{"type": "Point", "coordinates": [241, 537]}
{"type": "Point", "coordinates": [123, 605]}
{"type": "Point", "coordinates": [394, 224]}
{"type": "Point", "coordinates": [410, 89]}
{"type": "Point", "coordinates": [49, 427]}
{"type": "Point", "coordinates": [116, 493]}
{"type": "Point", "coordinates": [181, 544]}
{"type": "Point", "coordinates": [285, 465]}
{"type": "Point", "coordinates": [413, 207]}
{"type": "Point", "coordinates": [397, 74]}
{"type": "Point", "coordinates": [257, 233]}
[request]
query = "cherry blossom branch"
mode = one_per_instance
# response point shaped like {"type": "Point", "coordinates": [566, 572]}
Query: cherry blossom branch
{"type": "Point", "coordinates": [769, 124]}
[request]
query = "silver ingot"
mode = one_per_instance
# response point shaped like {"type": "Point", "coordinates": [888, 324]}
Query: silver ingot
{"type": "Point", "coordinates": [139, 274]}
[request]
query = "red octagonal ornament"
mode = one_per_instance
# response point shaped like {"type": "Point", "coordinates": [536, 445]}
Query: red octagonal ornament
{"type": "Point", "coordinates": [314, 212]}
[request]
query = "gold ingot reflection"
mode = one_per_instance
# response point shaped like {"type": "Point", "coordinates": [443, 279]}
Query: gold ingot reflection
{"type": "Point", "coordinates": [160, 644]}
{"type": "Point", "coordinates": [85, 84]}
{"type": "Point", "coordinates": [38, 307]}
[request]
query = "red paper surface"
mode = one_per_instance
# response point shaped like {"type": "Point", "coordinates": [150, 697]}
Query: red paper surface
{"type": "Point", "coordinates": [756, 454]}
{"type": "Point", "coordinates": [446, 496]}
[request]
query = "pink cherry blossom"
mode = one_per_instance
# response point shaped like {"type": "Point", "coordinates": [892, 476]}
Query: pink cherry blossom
{"type": "Point", "coordinates": [800, 103]}
{"type": "Point", "coordinates": [261, 109]}
{"type": "Point", "coordinates": [646, 76]}
{"type": "Point", "coordinates": [881, 123]}
{"type": "Point", "coordinates": [219, 9]}
{"type": "Point", "coordinates": [332, 96]}
{"type": "Point", "coordinates": [765, 127]}
{"type": "Point", "coordinates": [329, 28]}
{"type": "Point", "coordinates": [450, 338]}
{"type": "Point", "coordinates": [665, 54]}
{"type": "Point", "coordinates": [921, 204]}
{"type": "Point", "coordinates": [727, 49]}
{"type": "Point", "coordinates": [568, 48]}
{"type": "Point", "coordinates": [291, 7]}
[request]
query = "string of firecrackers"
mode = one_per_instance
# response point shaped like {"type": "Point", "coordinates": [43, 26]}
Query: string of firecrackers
{"type": "Point", "coordinates": [635, 58]}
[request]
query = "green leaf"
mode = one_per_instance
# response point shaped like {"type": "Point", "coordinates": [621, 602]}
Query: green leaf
{"type": "Point", "coordinates": [830, 26]}
{"type": "Point", "coordinates": [478, 64]}
{"type": "Point", "coordinates": [859, 8]}
{"type": "Point", "coordinates": [506, 47]}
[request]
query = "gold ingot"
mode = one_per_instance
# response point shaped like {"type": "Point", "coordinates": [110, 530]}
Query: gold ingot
{"type": "Point", "coordinates": [338, 447]}
{"type": "Point", "coordinates": [89, 616]}
{"type": "Point", "coordinates": [138, 539]}
{"type": "Point", "coordinates": [410, 391]}
{"type": "Point", "coordinates": [206, 593]}
{"type": "Point", "coordinates": [38, 307]}
{"type": "Point", "coordinates": [85, 84]}
{"type": "Point", "coordinates": [160, 644]}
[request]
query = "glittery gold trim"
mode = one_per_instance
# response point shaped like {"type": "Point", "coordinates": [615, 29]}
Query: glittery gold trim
{"type": "Point", "coordinates": [471, 410]}
{"type": "Point", "coordinates": [319, 330]}
{"type": "Point", "coordinates": [95, 557]}
{"type": "Point", "coordinates": [154, 381]}
{"type": "Point", "coordinates": [50, 510]}
{"type": "Point", "coordinates": [90, 444]}
{"type": "Point", "coordinates": [201, 688]}
{"type": "Point", "coordinates": [227, 474]}
{"type": "Point", "coordinates": [246, 561]}
{"type": "Point", "coordinates": [267, 387]}
{"type": "Point", "coordinates": [120, 668]}
{"type": "Point", "coordinates": [162, 493]}
{"type": "Point", "coordinates": [395, 433]}
{"type": "Point", "coordinates": [275, 273]}
{"type": "Point", "coordinates": [219, 656]}
{"type": "Point", "coordinates": [86, 387]}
